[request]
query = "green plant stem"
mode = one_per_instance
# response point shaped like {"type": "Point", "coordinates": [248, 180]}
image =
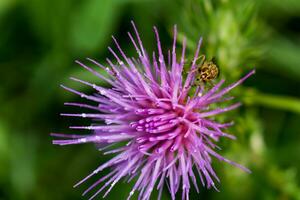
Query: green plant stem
{"type": "Point", "coordinates": [254, 97]}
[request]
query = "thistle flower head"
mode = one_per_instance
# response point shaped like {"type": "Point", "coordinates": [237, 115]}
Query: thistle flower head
{"type": "Point", "coordinates": [158, 131]}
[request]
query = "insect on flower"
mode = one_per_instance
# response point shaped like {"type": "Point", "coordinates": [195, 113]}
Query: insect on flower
{"type": "Point", "coordinates": [206, 71]}
{"type": "Point", "coordinates": [159, 134]}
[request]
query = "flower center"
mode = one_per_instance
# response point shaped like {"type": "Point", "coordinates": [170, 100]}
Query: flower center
{"type": "Point", "coordinates": [162, 127]}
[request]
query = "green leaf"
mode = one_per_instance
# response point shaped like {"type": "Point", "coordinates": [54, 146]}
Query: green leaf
{"type": "Point", "coordinates": [284, 56]}
{"type": "Point", "coordinates": [287, 7]}
{"type": "Point", "coordinates": [50, 20]}
{"type": "Point", "coordinates": [92, 23]}
{"type": "Point", "coordinates": [5, 5]}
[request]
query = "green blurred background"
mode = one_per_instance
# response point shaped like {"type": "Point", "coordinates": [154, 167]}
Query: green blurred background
{"type": "Point", "coordinates": [40, 39]}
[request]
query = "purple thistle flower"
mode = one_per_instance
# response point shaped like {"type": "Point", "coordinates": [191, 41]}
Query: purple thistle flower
{"type": "Point", "coordinates": [157, 129]}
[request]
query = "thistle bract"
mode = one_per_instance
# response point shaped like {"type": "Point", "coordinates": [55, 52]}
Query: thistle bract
{"type": "Point", "coordinates": [155, 120]}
